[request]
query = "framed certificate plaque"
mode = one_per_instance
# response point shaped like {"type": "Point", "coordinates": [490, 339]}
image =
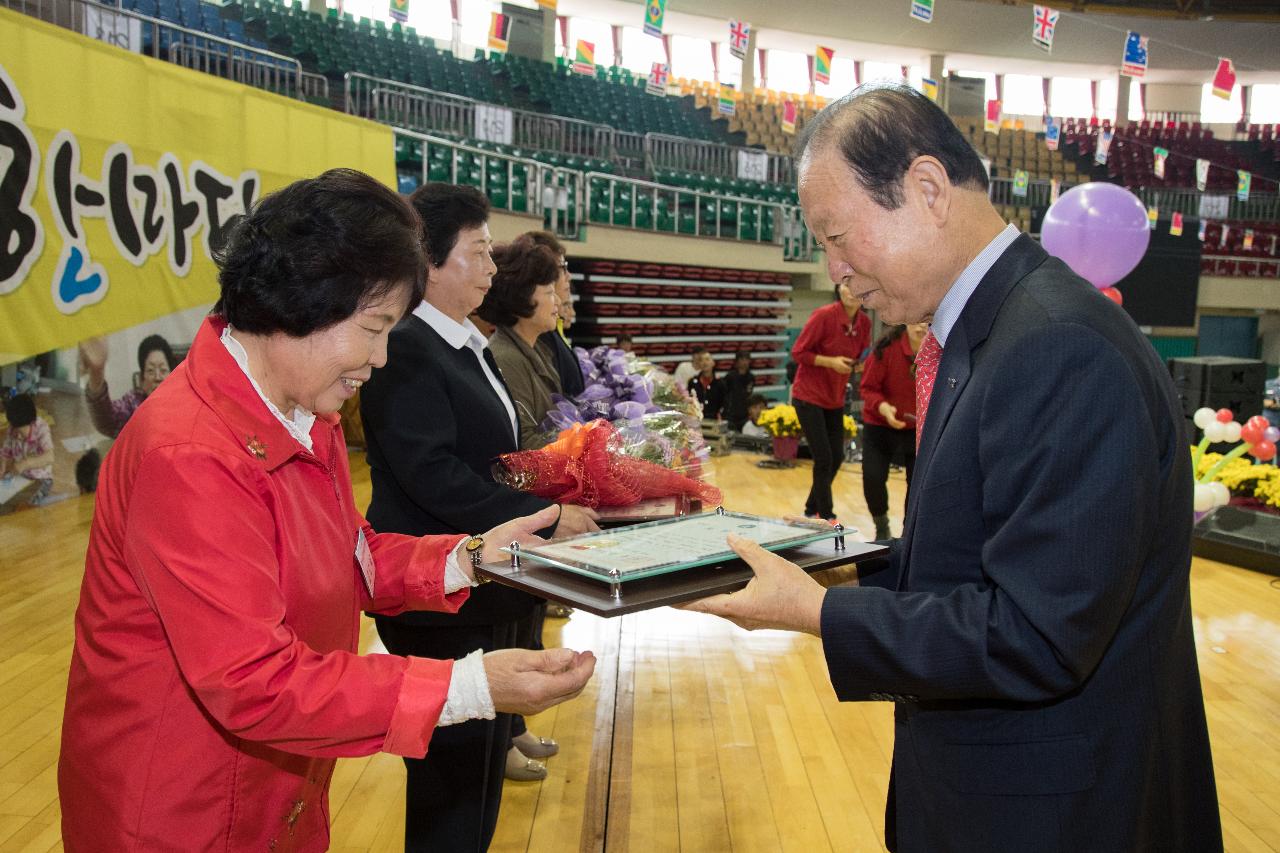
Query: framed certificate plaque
{"type": "Point", "coordinates": [659, 563]}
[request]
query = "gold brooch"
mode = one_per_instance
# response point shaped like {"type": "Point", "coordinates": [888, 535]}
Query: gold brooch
{"type": "Point", "coordinates": [256, 446]}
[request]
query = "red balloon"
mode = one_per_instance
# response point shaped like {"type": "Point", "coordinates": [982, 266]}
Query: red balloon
{"type": "Point", "coordinates": [1263, 451]}
{"type": "Point", "coordinates": [1225, 416]}
{"type": "Point", "coordinates": [1250, 433]}
{"type": "Point", "coordinates": [1113, 294]}
{"type": "Point", "coordinates": [1259, 422]}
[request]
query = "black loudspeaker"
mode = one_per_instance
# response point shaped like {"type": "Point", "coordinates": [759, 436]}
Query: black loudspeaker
{"type": "Point", "coordinates": [1220, 382]}
{"type": "Point", "coordinates": [1239, 537]}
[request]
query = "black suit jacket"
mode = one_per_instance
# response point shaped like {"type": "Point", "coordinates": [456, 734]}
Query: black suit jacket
{"type": "Point", "coordinates": [1034, 622]}
{"type": "Point", "coordinates": [566, 363]}
{"type": "Point", "coordinates": [433, 426]}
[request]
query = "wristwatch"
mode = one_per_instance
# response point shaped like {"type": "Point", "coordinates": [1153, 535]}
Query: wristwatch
{"type": "Point", "coordinates": [474, 546]}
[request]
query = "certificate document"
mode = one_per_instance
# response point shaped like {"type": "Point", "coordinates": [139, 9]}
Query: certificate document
{"type": "Point", "coordinates": [657, 547]}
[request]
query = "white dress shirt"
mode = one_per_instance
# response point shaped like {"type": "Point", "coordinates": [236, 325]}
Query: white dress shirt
{"type": "Point", "coordinates": [949, 310]}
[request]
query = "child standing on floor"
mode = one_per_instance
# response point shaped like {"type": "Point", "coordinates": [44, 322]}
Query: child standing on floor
{"type": "Point", "coordinates": [27, 450]}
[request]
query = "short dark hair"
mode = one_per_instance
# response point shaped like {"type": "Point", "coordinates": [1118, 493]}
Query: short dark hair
{"type": "Point", "coordinates": [523, 266]}
{"type": "Point", "coordinates": [314, 253]}
{"type": "Point", "coordinates": [155, 343]}
{"type": "Point", "coordinates": [546, 238]}
{"type": "Point", "coordinates": [740, 354]}
{"type": "Point", "coordinates": [697, 350]}
{"type": "Point", "coordinates": [626, 338]}
{"type": "Point", "coordinates": [447, 209]}
{"type": "Point", "coordinates": [881, 128]}
{"type": "Point", "coordinates": [20, 410]}
{"type": "Point", "coordinates": [757, 400]}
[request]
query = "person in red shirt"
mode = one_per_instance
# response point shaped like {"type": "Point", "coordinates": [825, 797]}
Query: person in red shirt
{"type": "Point", "coordinates": [827, 353]}
{"type": "Point", "coordinates": [215, 676]}
{"type": "Point", "coordinates": [889, 416]}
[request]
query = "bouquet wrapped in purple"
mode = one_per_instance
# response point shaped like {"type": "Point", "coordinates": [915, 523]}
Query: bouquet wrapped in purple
{"type": "Point", "coordinates": [658, 421]}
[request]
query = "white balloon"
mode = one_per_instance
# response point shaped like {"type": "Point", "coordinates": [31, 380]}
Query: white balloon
{"type": "Point", "coordinates": [1232, 431]}
{"type": "Point", "coordinates": [1221, 494]}
{"type": "Point", "coordinates": [1204, 417]}
{"type": "Point", "coordinates": [1216, 431]}
{"type": "Point", "coordinates": [1203, 500]}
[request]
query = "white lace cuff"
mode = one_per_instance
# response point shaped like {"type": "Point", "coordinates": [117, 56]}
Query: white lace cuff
{"type": "Point", "coordinates": [468, 697]}
{"type": "Point", "coordinates": [454, 577]}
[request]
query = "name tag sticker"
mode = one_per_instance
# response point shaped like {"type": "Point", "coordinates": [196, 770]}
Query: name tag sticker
{"type": "Point", "coordinates": [365, 558]}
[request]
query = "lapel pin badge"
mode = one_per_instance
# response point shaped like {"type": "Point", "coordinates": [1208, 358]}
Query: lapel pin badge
{"type": "Point", "coordinates": [951, 382]}
{"type": "Point", "coordinates": [256, 446]}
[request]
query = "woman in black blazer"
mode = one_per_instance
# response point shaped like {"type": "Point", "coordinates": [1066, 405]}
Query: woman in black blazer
{"type": "Point", "coordinates": [434, 418]}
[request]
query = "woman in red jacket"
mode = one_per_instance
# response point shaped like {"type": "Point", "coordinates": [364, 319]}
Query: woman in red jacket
{"type": "Point", "coordinates": [889, 416]}
{"type": "Point", "coordinates": [215, 676]}
{"type": "Point", "coordinates": [829, 349]}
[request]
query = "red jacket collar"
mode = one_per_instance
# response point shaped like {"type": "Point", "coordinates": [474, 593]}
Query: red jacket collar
{"type": "Point", "coordinates": [218, 380]}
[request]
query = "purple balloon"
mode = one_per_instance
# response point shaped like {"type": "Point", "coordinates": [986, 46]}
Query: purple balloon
{"type": "Point", "coordinates": [1099, 230]}
{"type": "Point", "coordinates": [1271, 434]}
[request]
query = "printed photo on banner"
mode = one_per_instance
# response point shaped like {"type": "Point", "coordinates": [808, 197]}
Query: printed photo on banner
{"type": "Point", "coordinates": [1153, 216]}
{"type": "Point", "coordinates": [1175, 225]}
{"type": "Point", "coordinates": [1202, 174]}
{"type": "Point", "coordinates": [992, 121]}
{"type": "Point", "coordinates": [930, 89]}
{"type": "Point", "coordinates": [1158, 156]}
{"type": "Point", "coordinates": [399, 10]}
{"type": "Point", "coordinates": [1204, 230]}
{"type": "Point", "coordinates": [1247, 244]}
{"type": "Point", "coordinates": [922, 10]}
{"type": "Point", "coordinates": [1021, 180]}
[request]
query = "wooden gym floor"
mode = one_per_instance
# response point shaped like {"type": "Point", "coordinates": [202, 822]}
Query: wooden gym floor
{"type": "Point", "coordinates": [693, 735]}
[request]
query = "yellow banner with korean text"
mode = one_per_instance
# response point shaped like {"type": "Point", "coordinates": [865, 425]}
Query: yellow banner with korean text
{"type": "Point", "coordinates": [119, 173]}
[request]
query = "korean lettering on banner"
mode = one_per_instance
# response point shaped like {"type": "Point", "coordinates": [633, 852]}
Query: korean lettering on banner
{"type": "Point", "coordinates": [1214, 206]}
{"type": "Point", "coordinates": [494, 124]}
{"type": "Point", "coordinates": [109, 217]}
{"type": "Point", "coordinates": [922, 10]}
{"type": "Point", "coordinates": [148, 209]}
{"type": "Point", "coordinates": [753, 165]}
{"type": "Point", "coordinates": [115, 28]}
{"type": "Point", "coordinates": [1134, 62]}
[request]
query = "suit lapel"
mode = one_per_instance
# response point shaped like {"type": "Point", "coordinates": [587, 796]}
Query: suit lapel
{"type": "Point", "coordinates": [493, 365]}
{"type": "Point", "coordinates": [956, 367]}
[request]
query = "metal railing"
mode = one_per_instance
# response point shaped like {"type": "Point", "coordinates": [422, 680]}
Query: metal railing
{"type": "Point", "coordinates": [1263, 207]}
{"type": "Point", "coordinates": [261, 69]}
{"type": "Point", "coordinates": [649, 206]}
{"type": "Point", "coordinates": [531, 187]}
{"type": "Point", "coordinates": [1239, 266]}
{"type": "Point", "coordinates": [709, 158]}
{"type": "Point", "coordinates": [429, 111]}
{"type": "Point", "coordinates": [1038, 192]}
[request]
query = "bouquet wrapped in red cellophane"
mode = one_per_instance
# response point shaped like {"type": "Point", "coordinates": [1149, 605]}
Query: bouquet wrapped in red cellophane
{"type": "Point", "coordinates": [587, 465]}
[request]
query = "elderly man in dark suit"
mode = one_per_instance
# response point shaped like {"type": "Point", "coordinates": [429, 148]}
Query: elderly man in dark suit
{"type": "Point", "coordinates": [1033, 624]}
